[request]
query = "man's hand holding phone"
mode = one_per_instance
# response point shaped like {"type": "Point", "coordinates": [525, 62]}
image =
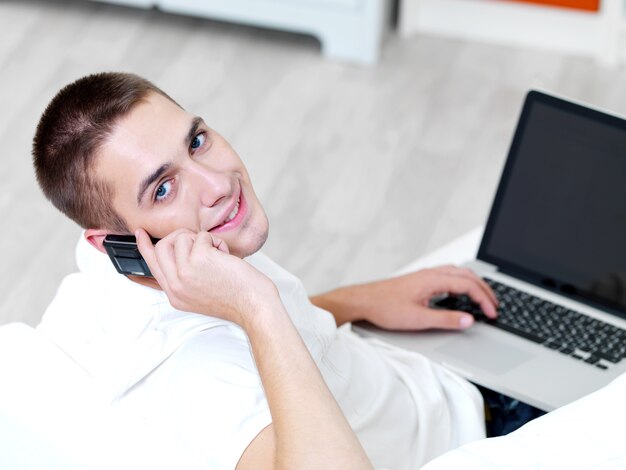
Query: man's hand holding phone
{"type": "Point", "coordinates": [199, 275]}
{"type": "Point", "coordinates": [308, 428]}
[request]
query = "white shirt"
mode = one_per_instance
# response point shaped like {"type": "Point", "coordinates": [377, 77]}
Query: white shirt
{"type": "Point", "coordinates": [194, 377]}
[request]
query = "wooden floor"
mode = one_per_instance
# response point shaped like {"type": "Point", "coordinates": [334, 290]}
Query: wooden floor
{"type": "Point", "coordinates": [361, 169]}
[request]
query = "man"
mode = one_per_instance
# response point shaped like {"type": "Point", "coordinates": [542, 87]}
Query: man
{"type": "Point", "coordinates": [213, 361]}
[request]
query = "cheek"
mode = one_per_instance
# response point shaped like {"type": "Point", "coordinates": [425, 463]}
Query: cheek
{"type": "Point", "coordinates": [163, 221]}
{"type": "Point", "coordinates": [170, 224]}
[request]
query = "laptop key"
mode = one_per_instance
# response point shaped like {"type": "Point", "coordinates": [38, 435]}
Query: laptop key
{"type": "Point", "coordinates": [556, 327]}
{"type": "Point", "coordinates": [610, 357]}
{"type": "Point", "coordinates": [524, 334]}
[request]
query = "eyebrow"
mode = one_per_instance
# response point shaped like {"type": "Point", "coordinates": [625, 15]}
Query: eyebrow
{"type": "Point", "coordinates": [195, 123]}
{"type": "Point", "coordinates": [151, 178]}
{"type": "Point", "coordinates": [155, 175]}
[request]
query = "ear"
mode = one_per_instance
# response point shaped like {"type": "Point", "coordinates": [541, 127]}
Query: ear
{"type": "Point", "coordinates": [95, 237]}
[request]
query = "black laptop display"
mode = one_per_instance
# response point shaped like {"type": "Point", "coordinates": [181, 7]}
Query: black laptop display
{"type": "Point", "coordinates": [559, 217]}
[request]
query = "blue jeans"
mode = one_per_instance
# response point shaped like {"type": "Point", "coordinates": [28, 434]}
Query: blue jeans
{"type": "Point", "coordinates": [504, 414]}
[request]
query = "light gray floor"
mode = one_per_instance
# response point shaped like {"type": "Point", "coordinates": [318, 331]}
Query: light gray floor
{"type": "Point", "coordinates": [361, 170]}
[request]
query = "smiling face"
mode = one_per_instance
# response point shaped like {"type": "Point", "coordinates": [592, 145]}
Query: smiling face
{"type": "Point", "coordinates": [169, 170]}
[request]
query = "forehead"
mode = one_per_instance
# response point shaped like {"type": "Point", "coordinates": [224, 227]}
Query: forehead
{"type": "Point", "coordinates": [153, 131]}
{"type": "Point", "coordinates": [153, 123]}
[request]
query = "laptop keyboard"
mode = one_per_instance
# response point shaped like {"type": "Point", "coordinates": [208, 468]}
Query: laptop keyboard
{"type": "Point", "coordinates": [556, 327]}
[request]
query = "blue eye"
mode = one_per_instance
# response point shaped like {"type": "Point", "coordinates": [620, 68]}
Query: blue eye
{"type": "Point", "coordinates": [163, 191]}
{"type": "Point", "coordinates": [198, 141]}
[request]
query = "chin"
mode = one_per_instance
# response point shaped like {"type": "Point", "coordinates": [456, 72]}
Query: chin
{"type": "Point", "coordinates": [253, 243]}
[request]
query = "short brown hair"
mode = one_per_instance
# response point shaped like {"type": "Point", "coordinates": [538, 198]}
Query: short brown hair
{"type": "Point", "coordinates": [69, 134]}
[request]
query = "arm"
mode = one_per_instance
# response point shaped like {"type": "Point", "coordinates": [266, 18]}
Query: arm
{"type": "Point", "coordinates": [309, 429]}
{"type": "Point", "coordinates": [402, 302]}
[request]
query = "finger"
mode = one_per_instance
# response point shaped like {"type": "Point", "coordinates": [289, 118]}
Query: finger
{"type": "Point", "coordinates": [468, 273]}
{"type": "Point", "coordinates": [182, 248]}
{"type": "Point", "coordinates": [176, 233]}
{"type": "Point", "coordinates": [221, 245]}
{"type": "Point", "coordinates": [165, 256]}
{"type": "Point", "coordinates": [486, 287]}
{"type": "Point", "coordinates": [446, 319]}
{"type": "Point", "coordinates": [461, 285]}
{"type": "Point", "coordinates": [207, 239]}
{"type": "Point", "coordinates": [148, 253]}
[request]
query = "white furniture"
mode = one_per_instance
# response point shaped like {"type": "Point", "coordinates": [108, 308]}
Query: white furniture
{"type": "Point", "coordinates": [349, 30]}
{"type": "Point", "coordinates": [53, 417]}
{"type": "Point", "coordinates": [595, 34]}
{"type": "Point", "coordinates": [585, 434]}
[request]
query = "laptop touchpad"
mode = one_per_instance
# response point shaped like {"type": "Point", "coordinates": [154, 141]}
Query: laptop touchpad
{"type": "Point", "coordinates": [489, 354]}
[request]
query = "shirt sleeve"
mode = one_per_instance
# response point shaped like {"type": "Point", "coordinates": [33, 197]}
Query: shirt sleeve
{"type": "Point", "coordinates": [209, 398]}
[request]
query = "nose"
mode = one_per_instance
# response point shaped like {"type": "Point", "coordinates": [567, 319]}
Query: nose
{"type": "Point", "coordinates": [212, 185]}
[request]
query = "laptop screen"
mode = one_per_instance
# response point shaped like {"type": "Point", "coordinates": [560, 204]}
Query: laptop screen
{"type": "Point", "coordinates": [559, 216]}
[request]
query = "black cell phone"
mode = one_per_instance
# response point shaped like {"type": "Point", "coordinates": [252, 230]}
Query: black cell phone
{"type": "Point", "coordinates": [125, 255]}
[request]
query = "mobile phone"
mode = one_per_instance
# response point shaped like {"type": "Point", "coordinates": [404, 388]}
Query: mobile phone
{"type": "Point", "coordinates": [125, 255]}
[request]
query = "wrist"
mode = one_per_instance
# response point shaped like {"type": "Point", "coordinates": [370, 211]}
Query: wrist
{"type": "Point", "coordinates": [262, 308]}
{"type": "Point", "coordinates": [343, 303]}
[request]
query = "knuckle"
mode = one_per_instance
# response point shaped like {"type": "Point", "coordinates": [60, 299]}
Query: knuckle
{"type": "Point", "coordinates": [176, 234]}
{"type": "Point", "coordinates": [160, 247]}
{"type": "Point", "coordinates": [184, 273]}
{"type": "Point", "coordinates": [176, 288]}
{"type": "Point", "coordinates": [181, 231]}
{"type": "Point", "coordinates": [476, 293]}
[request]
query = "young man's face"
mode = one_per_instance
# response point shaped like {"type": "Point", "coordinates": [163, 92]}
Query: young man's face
{"type": "Point", "coordinates": [168, 170]}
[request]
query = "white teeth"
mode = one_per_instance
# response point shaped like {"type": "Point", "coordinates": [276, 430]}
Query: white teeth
{"type": "Point", "coordinates": [233, 214]}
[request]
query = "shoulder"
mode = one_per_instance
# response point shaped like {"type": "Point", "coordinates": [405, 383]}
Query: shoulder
{"type": "Point", "coordinates": [215, 354]}
{"type": "Point", "coordinates": [209, 394]}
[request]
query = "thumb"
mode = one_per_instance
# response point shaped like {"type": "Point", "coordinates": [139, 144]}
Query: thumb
{"type": "Point", "coordinates": [215, 242]}
{"type": "Point", "coordinates": [447, 319]}
{"type": "Point", "coordinates": [220, 245]}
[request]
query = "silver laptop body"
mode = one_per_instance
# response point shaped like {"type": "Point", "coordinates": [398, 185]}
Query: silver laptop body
{"type": "Point", "coordinates": [557, 230]}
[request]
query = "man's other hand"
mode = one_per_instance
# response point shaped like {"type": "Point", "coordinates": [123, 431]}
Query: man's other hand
{"type": "Point", "coordinates": [402, 303]}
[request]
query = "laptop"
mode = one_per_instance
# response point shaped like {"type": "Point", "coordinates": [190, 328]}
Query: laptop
{"type": "Point", "coordinates": [554, 250]}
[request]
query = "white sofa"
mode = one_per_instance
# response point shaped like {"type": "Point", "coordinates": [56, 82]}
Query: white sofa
{"type": "Point", "coordinates": [52, 416]}
{"type": "Point", "coordinates": [349, 30]}
{"type": "Point", "coordinates": [586, 434]}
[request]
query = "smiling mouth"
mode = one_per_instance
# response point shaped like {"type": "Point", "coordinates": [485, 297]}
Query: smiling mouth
{"type": "Point", "coordinates": [233, 214]}
{"type": "Point", "coordinates": [230, 216]}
